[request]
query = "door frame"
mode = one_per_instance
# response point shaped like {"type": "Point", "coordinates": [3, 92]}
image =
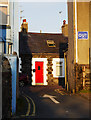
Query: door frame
{"type": "Point", "coordinates": [39, 74]}
{"type": "Point", "coordinates": [44, 60]}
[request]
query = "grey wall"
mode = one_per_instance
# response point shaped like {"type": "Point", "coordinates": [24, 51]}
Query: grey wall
{"type": "Point", "coordinates": [71, 79]}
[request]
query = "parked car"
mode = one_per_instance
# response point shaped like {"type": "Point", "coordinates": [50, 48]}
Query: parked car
{"type": "Point", "coordinates": [23, 80]}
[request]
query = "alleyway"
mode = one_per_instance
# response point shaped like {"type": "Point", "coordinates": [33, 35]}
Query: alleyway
{"type": "Point", "coordinates": [52, 102]}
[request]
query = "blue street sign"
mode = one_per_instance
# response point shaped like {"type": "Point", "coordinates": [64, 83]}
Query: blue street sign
{"type": "Point", "coordinates": [82, 35]}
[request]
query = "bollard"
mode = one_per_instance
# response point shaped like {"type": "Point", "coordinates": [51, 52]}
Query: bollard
{"type": "Point", "coordinates": [73, 91]}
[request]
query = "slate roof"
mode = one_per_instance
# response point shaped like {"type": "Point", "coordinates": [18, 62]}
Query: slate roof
{"type": "Point", "coordinates": [36, 43]}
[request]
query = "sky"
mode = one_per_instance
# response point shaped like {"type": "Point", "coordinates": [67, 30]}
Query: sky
{"type": "Point", "coordinates": [44, 16]}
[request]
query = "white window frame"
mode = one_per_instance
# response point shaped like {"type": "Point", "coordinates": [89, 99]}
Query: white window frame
{"type": "Point", "coordinates": [6, 6]}
{"type": "Point", "coordinates": [54, 67]}
{"type": "Point", "coordinates": [51, 42]}
{"type": "Point", "coordinates": [3, 5]}
{"type": "Point", "coordinates": [44, 70]}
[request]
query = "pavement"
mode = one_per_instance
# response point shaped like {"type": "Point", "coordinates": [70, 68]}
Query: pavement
{"type": "Point", "coordinates": [22, 112]}
{"type": "Point", "coordinates": [85, 95]}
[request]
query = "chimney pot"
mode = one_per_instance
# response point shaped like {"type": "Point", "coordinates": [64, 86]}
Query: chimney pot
{"type": "Point", "coordinates": [24, 20]}
{"type": "Point", "coordinates": [64, 22]}
{"type": "Point", "coordinates": [40, 31]}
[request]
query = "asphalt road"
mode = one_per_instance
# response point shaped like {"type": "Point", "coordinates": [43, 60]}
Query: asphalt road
{"type": "Point", "coordinates": [53, 102]}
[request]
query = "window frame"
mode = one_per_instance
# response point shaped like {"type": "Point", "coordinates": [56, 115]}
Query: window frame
{"type": "Point", "coordinates": [55, 60]}
{"type": "Point", "coordinates": [51, 43]}
{"type": "Point", "coordinates": [4, 21]}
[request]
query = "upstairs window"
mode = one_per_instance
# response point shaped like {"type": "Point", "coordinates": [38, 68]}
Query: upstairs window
{"type": "Point", "coordinates": [51, 43]}
{"type": "Point", "coordinates": [3, 15]}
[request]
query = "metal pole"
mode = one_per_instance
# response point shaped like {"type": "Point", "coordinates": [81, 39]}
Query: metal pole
{"type": "Point", "coordinates": [13, 26]}
{"type": "Point", "coordinates": [60, 19]}
{"type": "Point", "coordinates": [21, 16]}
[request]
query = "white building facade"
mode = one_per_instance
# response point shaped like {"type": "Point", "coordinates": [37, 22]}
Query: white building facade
{"type": "Point", "coordinates": [9, 30]}
{"type": "Point", "coordinates": [9, 22]}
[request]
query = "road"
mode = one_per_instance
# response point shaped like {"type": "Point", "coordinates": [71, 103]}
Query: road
{"type": "Point", "coordinates": [53, 102]}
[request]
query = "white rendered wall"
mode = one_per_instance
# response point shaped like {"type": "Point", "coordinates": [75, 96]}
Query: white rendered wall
{"type": "Point", "coordinates": [14, 23]}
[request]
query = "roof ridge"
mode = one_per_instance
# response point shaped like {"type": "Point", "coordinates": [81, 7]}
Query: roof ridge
{"type": "Point", "coordinates": [45, 33]}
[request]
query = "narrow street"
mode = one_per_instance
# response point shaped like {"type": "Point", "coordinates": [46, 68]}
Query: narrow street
{"type": "Point", "coordinates": [53, 102]}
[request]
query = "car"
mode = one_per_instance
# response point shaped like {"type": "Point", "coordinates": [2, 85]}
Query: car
{"type": "Point", "coordinates": [23, 80]}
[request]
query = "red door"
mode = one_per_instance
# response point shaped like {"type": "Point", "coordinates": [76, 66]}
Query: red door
{"type": "Point", "coordinates": [39, 72]}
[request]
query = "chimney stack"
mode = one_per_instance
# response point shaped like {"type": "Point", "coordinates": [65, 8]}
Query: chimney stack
{"type": "Point", "coordinates": [65, 28]}
{"type": "Point", "coordinates": [40, 31]}
{"type": "Point", "coordinates": [24, 26]}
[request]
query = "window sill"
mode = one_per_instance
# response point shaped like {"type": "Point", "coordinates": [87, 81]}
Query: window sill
{"type": "Point", "coordinates": [58, 76]}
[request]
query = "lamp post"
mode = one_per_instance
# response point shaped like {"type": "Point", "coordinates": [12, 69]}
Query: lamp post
{"type": "Point", "coordinates": [21, 16]}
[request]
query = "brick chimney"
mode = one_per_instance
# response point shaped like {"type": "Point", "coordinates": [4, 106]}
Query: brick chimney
{"type": "Point", "coordinates": [65, 28]}
{"type": "Point", "coordinates": [24, 26]}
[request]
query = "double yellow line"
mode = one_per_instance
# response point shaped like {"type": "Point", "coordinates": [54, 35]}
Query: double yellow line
{"type": "Point", "coordinates": [58, 91]}
{"type": "Point", "coordinates": [29, 108]}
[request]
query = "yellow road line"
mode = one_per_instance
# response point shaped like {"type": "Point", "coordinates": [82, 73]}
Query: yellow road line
{"type": "Point", "coordinates": [33, 105]}
{"type": "Point", "coordinates": [28, 111]}
{"type": "Point", "coordinates": [61, 93]}
{"type": "Point", "coordinates": [58, 91]}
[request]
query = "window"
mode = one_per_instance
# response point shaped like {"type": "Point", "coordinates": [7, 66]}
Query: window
{"type": "Point", "coordinates": [4, 47]}
{"type": "Point", "coordinates": [58, 67]}
{"type": "Point", "coordinates": [1, 47]}
{"type": "Point", "coordinates": [3, 13]}
{"type": "Point", "coordinates": [38, 67]}
{"type": "Point", "coordinates": [51, 43]}
{"type": "Point", "coordinates": [9, 48]}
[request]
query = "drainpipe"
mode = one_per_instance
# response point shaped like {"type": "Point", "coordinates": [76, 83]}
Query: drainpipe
{"type": "Point", "coordinates": [76, 29]}
{"type": "Point", "coordinates": [8, 20]}
{"type": "Point", "coordinates": [13, 27]}
{"type": "Point", "coordinates": [75, 36]}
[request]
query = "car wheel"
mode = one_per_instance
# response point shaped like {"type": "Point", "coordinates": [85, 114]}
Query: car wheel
{"type": "Point", "coordinates": [21, 83]}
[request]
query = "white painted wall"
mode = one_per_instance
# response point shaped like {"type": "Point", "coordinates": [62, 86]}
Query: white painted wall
{"type": "Point", "coordinates": [20, 66]}
{"type": "Point", "coordinates": [12, 19]}
{"type": "Point", "coordinates": [14, 22]}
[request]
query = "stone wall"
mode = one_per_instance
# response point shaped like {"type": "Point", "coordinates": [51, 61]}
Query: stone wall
{"type": "Point", "coordinates": [49, 69]}
{"type": "Point", "coordinates": [26, 66]}
{"type": "Point", "coordinates": [82, 75]}
{"type": "Point", "coordinates": [6, 88]}
{"type": "Point", "coordinates": [86, 77]}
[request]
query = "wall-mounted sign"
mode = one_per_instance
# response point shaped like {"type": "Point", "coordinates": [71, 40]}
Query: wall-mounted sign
{"type": "Point", "coordinates": [82, 35]}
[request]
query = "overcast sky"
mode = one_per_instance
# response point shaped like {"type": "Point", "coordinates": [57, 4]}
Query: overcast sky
{"type": "Point", "coordinates": [44, 16]}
